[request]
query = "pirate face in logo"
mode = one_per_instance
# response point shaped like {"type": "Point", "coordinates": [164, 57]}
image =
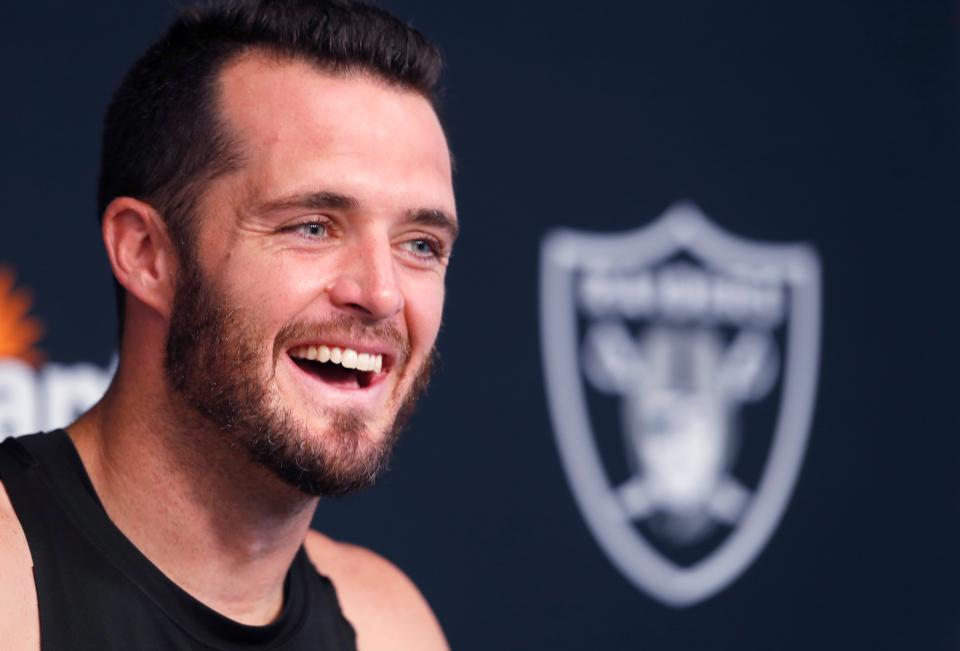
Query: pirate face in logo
{"type": "Point", "coordinates": [679, 324]}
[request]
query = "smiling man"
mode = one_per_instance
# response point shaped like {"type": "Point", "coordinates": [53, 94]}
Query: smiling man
{"type": "Point", "coordinates": [278, 211]}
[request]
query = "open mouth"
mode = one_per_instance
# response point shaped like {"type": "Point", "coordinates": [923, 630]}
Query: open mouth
{"type": "Point", "coordinates": [341, 367]}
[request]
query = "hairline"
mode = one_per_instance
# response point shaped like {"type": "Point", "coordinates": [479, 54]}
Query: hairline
{"type": "Point", "coordinates": [184, 201]}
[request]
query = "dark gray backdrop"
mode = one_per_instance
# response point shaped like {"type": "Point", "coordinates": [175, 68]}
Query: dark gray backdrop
{"type": "Point", "coordinates": [828, 122]}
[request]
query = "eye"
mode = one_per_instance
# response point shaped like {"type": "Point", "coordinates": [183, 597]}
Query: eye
{"type": "Point", "coordinates": [311, 230]}
{"type": "Point", "coordinates": [423, 248]}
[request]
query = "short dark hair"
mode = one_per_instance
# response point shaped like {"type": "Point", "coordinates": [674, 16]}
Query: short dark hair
{"type": "Point", "coordinates": [163, 140]}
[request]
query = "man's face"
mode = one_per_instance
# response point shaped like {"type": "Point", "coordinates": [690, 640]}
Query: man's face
{"type": "Point", "coordinates": [326, 250]}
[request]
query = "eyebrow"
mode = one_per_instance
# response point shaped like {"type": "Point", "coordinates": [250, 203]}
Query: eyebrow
{"type": "Point", "coordinates": [436, 219]}
{"type": "Point", "coordinates": [326, 200]}
{"type": "Point", "coordinates": [322, 200]}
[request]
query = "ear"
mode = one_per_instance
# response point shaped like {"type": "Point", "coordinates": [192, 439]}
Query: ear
{"type": "Point", "coordinates": [140, 251]}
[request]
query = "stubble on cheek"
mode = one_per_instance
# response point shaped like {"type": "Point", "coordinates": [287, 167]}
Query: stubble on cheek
{"type": "Point", "coordinates": [215, 358]}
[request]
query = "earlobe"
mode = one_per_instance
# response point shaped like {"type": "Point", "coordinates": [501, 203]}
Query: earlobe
{"type": "Point", "coordinates": [140, 251]}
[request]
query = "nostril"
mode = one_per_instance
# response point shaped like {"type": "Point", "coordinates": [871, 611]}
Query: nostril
{"type": "Point", "coordinates": [358, 308]}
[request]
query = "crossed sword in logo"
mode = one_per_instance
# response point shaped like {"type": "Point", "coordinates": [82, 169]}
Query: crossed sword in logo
{"type": "Point", "coordinates": [682, 387]}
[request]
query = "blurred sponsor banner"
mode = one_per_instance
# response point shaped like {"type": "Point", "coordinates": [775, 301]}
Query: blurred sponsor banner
{"type": "Point", "coordinates": [36, 394]}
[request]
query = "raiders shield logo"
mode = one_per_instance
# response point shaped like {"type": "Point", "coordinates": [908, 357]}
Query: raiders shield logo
{"type": "Point", "coordinates": [681, 365]}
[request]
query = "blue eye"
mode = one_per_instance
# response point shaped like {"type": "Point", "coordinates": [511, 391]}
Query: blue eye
{"type": "Point", "coordinates": [422, 248]}
{"type": "Point", "coordinates": [312, 229]}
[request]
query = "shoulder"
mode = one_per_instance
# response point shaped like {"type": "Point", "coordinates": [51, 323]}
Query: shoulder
{"type": "Point", "coordinates": [384, 606]}
{"type": "Point", "coordinates": [19, 617]}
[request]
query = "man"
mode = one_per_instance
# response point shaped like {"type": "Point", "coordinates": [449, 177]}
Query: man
{"type": "Point", "coordinates": [278, 211]}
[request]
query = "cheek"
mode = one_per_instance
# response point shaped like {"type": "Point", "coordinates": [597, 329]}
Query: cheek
{"type": "Point", "coordinates": [276, 292]}
{"type": "Point", "coordinates": [423, 306]}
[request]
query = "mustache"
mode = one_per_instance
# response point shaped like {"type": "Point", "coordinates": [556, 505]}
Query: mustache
{"type": "Point", "coordinates": [347, 327]}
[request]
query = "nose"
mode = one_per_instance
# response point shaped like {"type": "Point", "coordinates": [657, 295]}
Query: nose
{"type": "Point", "coordinates": [365, 281]}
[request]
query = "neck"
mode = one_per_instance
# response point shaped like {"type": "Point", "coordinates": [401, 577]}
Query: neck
{"type": "Point", "coordinates": [218, 524]}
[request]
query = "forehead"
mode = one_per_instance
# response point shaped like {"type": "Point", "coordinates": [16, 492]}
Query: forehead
{"type": "Point", "coordinates": [299, 126]}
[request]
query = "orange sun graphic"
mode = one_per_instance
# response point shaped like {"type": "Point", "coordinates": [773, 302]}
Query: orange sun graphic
{"type": "Point", "coordinates": [19, 332]}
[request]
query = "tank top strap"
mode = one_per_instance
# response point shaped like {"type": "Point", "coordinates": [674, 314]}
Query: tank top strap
{"type": "Point", "coordinates": [44, 527]}
{"type": "Point", "coordinates": [323, 596]}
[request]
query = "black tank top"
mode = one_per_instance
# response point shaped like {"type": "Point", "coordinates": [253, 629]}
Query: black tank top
{"type": "Point", "coordinates": [95, 590]}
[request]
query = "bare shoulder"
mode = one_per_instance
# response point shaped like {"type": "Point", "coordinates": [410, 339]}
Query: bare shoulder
{"type": "Point", "coordinates": [19, 618]}
{"type": "Point", "coordinates": [384, 606]}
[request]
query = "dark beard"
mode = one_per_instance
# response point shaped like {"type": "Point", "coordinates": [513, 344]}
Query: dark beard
{"type": "Point", "coordinates": [214, 359]}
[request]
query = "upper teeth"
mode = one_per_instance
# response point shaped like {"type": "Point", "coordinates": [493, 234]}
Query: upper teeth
{"type": "Point", "coordinates": [346, 357]}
